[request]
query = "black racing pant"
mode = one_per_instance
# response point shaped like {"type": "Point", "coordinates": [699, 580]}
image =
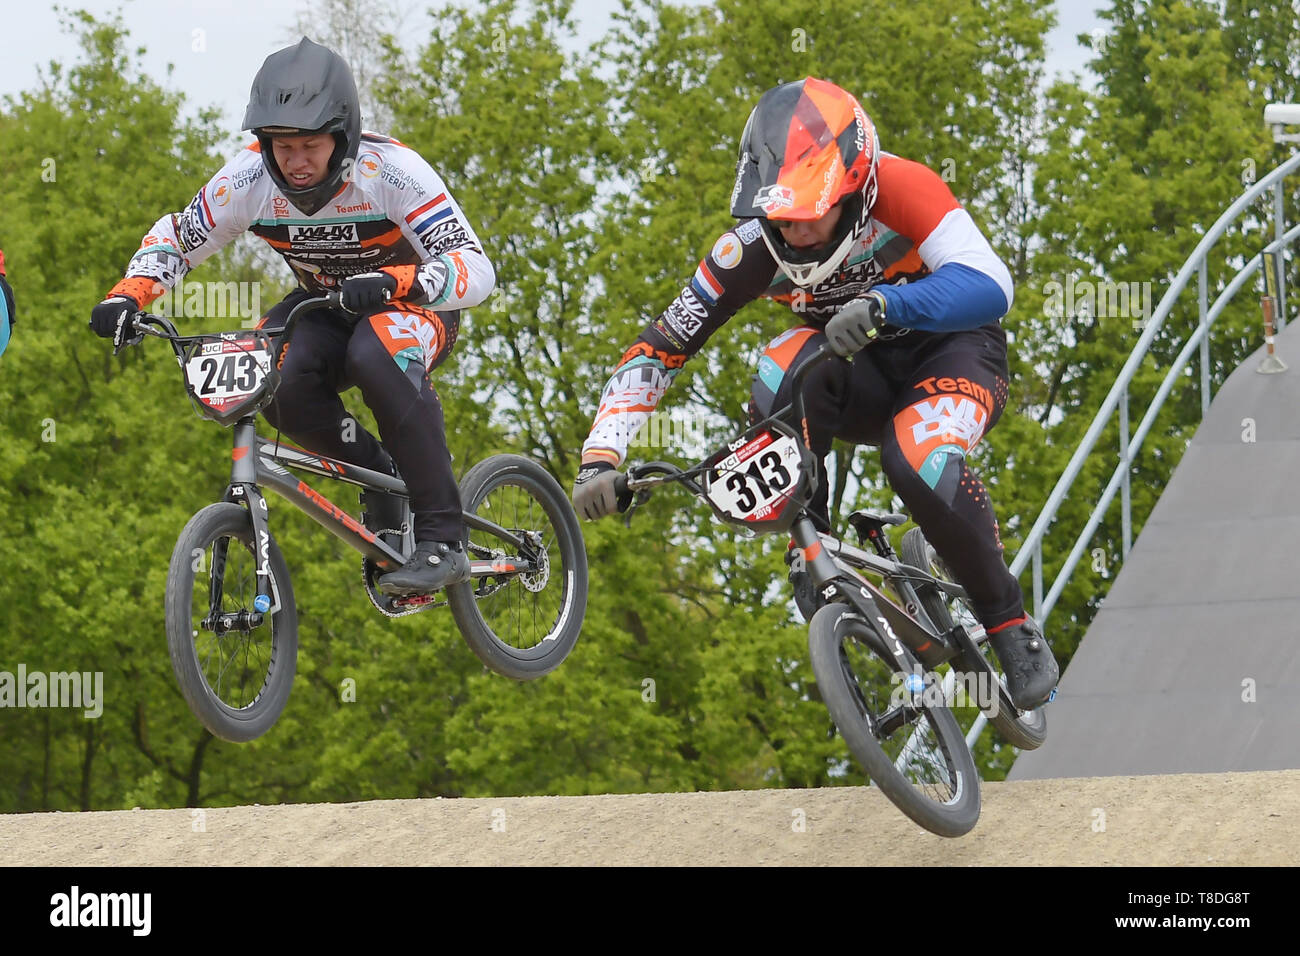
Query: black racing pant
{"type": "Point", "coordinates": [327, 354]}
{"type": "Point", "coordinates": [925, 402]}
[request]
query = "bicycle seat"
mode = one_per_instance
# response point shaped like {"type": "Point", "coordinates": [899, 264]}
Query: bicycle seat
{"type": "Point", "coordinates": [870, 523]}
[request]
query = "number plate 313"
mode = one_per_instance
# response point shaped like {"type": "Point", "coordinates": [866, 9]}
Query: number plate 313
{"type": "Point", "coordinates": [754, 481]}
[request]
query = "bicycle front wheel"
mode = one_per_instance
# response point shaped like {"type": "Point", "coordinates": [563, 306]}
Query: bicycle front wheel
{"type": "Point", "coordinates": [523, 618]}
{"type": "Point", "coordinates": [908, 743]}
{"type": "Point", "coordinates": [235, 665]}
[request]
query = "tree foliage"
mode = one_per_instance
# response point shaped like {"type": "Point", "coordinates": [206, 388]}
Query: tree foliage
{"type": "Point", "coordinates": [596, 178]}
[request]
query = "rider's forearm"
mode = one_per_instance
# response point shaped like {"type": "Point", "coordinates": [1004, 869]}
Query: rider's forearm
{"type": "Point", "coordinates": [457, 279]}
{"type": "Point", "coordinates": [180, 241]}
{"type": "Point", "coordinates": [954, 298]}
{"type": "Point", "coordinates": [631, 396]}
{"type": "Point", "coordinates": [156, 266]}
{"type": "Point", "coordinates": [723, 283]}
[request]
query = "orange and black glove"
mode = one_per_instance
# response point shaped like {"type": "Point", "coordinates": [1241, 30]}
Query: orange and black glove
{"type": "Point", "coordinates": [114, 319]}
{"type": "Point", "coordinates": [367, 292]}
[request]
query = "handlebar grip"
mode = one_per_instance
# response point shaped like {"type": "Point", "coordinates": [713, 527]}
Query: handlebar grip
{"type": "Point", "coordinates": [623, 493]}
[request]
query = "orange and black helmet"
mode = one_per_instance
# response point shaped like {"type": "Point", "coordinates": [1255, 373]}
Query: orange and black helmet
{"type": "Point", "coordinates": [807, 147]}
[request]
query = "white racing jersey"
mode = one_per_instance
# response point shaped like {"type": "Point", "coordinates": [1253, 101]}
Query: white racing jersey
{"type": "Point", "coordinates": [393, 213]}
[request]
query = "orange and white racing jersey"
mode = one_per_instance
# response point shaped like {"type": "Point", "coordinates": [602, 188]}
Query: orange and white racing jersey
{"type": "Point", "coordinates": [394, 213]}
{"type": "Point", "coordinates": [921, 251]}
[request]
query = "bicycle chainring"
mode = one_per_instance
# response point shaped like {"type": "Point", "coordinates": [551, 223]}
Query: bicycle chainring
{"type": "Point", "coordinates": [387, 604]}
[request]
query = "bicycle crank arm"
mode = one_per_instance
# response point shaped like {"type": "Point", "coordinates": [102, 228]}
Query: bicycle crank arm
{"type": "Point", "coordinates": [972, 662]}
{"type": "Point", "coordinates": [497, 566]}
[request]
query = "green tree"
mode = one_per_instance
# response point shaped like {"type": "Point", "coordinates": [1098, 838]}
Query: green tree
{"type": "Point", "coordinates": [1130, 179]}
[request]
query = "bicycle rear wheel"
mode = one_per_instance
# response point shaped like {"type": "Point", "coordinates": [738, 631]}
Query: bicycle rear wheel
{"type": "Point", "coordinates": [524, 619]}
{"type": "Point", "coordinates": [1024, 729]}
{"type": "Point", "coordinates": [909, 744]}
{"type": "Point", "coordinates": [235, 665]}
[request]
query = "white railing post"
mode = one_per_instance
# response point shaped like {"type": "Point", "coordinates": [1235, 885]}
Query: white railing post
{"type": "Point", "coordinates": [1038, 582]}
{"type": "Point", "coordinates": [1279, 227]}
{"type": "Point", "coordinates": [1202, 306]}
{"type": "Point", "coordinates": [1125, 461]}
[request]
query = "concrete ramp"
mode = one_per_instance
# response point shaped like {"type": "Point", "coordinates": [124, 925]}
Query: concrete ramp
{"type": "Point", "coordinates": [1192, 663]}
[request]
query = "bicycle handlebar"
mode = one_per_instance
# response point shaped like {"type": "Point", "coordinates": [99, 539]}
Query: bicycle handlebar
{"type": "Point", "coordinates": [144, 322]}
{"type": "Point", "coordinates": [636, 484]}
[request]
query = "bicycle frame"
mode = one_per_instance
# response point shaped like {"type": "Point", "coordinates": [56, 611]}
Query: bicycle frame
{"type": "Point", "coordinates": [251, 470]}
{"type": "Point", "coordinates": [821, 552]}
{"type": "Point", "coordinates": [258, 462]}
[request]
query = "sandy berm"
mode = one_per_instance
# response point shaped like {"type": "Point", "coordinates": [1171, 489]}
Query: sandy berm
{"type": "Point", "coordinates": [1219, 819]}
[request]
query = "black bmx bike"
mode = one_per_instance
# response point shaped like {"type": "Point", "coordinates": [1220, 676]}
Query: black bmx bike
{"type": "Point", "coordinates": [890, 658]}
{"type": "Point", "coordinates": [232, 624]}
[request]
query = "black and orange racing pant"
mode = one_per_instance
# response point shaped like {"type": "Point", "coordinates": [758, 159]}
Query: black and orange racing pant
{"type": "Point", "coordinates": [926, 404]}
{"type": "Point", "coordinates": [388, 356]}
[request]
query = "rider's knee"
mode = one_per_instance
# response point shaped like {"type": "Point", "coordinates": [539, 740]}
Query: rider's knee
{"type": "Point", "coordinates": [918, 470]}
{"type": "Point", "coordinates": [771, 389]}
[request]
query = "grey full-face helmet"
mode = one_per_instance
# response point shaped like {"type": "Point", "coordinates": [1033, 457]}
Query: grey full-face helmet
{"type": "Point", "coordinates": [302, 90]}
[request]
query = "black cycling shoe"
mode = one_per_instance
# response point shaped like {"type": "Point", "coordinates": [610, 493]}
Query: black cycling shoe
{"type": "Point", "coordinates": [806, 598]}
{"type": "Point", "coordinates": [384, 512]}
{"type": "Point", "coordinates": [1027, 662]}
{"type": "Point", "coordinates": [433, 565]}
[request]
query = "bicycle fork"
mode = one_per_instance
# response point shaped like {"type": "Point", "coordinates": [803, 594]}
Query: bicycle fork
{"type": "Point", "coordinates": [243, 487]}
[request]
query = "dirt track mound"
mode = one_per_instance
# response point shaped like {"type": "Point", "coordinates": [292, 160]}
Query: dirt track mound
{"type": "Point", "coordinates": [1186, 819]}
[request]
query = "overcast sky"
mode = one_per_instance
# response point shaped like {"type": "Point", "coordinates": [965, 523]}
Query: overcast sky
{"type": "Point", "coordinates": [236, 35]}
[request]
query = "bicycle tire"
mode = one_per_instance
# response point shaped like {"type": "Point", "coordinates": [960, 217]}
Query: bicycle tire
{"type": "Point", "coordinates": [491, 611]}
{"type": "Point", "coordinates": [1024, 729]}
{"type": "Point", "coordinates": [246, 702]}
{"type": "Point", "coordinates": [941, 795]}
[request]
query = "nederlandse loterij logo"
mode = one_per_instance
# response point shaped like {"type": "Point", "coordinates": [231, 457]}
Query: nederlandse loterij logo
{"type": "Point", "coordinates": [76, 908]}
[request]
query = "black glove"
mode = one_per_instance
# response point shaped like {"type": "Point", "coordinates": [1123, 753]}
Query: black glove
{"type": "Point", "coordinates": [113, 318]}
{"type": "Point", "coordinates": [856, 325]}
{"type": "Point", "coordinates": [368, 291]}
{"type": "Point", "coordinates": [594, 491]}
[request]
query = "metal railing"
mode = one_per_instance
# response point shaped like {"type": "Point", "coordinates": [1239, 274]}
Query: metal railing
{"type": "Point", "coordinates": [1118, 396]}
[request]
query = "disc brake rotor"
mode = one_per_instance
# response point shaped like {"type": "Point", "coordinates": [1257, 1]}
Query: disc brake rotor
{"type": "Point", "coordinates": [536, 580]}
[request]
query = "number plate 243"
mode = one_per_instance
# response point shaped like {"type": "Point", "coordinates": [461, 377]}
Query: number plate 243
{"type": "Point", "coordinates": [223, 374]}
